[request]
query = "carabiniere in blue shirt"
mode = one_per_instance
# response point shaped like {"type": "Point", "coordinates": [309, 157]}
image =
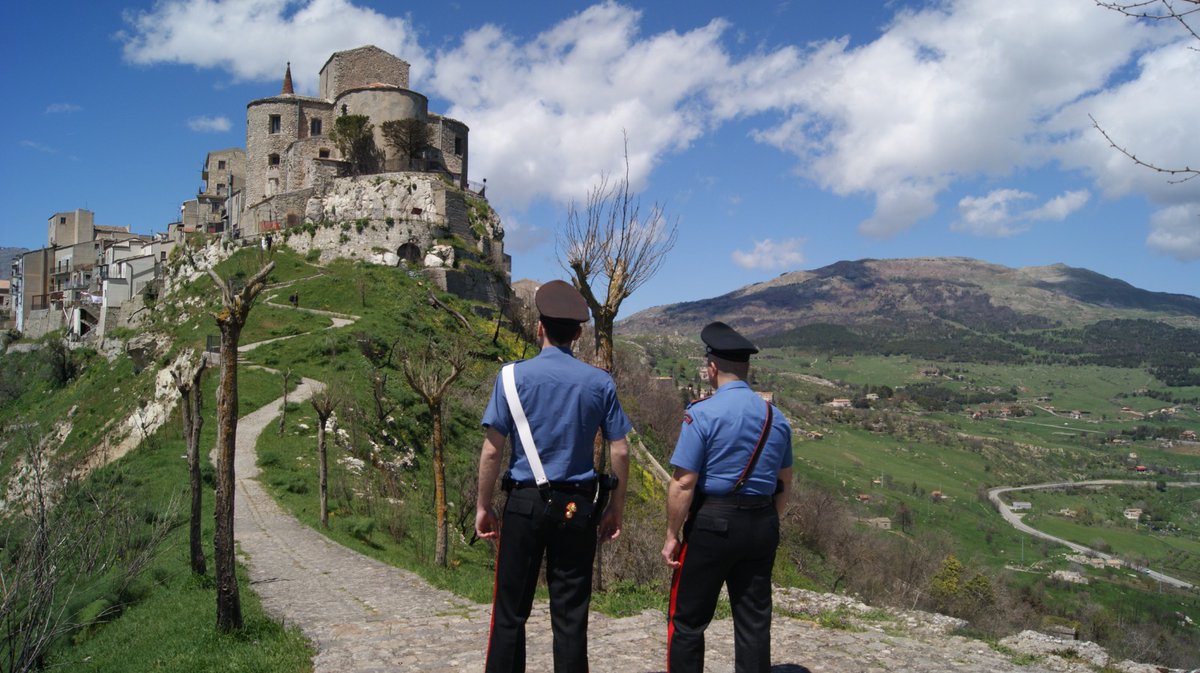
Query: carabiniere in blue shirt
{"type": "Point", "coordinates": [719, 434]}
{"type": "Point", "coordinates": [566, 401]}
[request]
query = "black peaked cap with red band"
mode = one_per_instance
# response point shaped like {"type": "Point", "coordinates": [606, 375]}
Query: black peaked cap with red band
{"type": "Point", "coordinates": [723, 341]}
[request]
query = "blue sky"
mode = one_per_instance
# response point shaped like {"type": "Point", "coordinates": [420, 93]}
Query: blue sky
{"type": "Point", "coordinates": [782, 136]}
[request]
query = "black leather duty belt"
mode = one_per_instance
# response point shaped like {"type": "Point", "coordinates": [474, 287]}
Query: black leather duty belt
{"type": "Point", "coordinates": [738, 501]}
{"type": "Point", "coordinates": [568, 486]}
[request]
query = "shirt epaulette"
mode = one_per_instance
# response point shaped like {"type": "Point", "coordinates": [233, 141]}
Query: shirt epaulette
{"type": "Point", "coordinates": [698, 400]}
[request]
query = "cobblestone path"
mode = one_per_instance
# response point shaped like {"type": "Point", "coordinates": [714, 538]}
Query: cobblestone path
{"type": "Point", "coordinates": [368, 617]}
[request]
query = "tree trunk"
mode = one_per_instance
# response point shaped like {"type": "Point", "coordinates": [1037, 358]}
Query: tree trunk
{"type": "Point", "coordinates": [194, 424]}
{"type": "Point", "coordinates": [322, 472]}
{"type": "Point", "coordinates": [229, 606]}
{"type": "Point", "coordinates": [439, 485]}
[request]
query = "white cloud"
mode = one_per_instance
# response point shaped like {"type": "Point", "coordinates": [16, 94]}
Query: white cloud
{"type": "Point", "coordinates": [1175, 231]}
{"type": "Point", "coordinates": [38, 146]}
{"type": "Point", "coordinates": [769, 254]}
{"type": "Point", "coordinates": [1061, 206]}
{"type": "Point", "coordinates": [62, 108]}
{"type": "Point", "coordinates": [548, 114]}
{"type": "Point", "coordinates": [998, 215]}
{"type": "Point", "coordinates": [252, 39]}
{"type": "Point", "coordinates": [957, 90]}
{"type": "Point", "coordinates": [205, 124]}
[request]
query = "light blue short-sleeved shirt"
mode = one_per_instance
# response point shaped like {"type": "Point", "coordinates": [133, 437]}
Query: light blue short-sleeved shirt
{"type": "Point", "coordinates": [719, 435]}
{"type": "Point", "coordinates": [566, 402]}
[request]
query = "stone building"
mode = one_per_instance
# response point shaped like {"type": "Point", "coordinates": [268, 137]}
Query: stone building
{"type": "Point", "coordinates": [290, 154]}
{"type": "Point", "coordinates": [224, 174]}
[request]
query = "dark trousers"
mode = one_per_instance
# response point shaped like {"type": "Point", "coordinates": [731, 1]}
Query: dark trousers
{"type": "Point", "coordinates": [724, 544]}
{"type": "Point", "coordinates": [569, 552]}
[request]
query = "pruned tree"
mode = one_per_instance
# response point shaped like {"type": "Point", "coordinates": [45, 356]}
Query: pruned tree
{"type": "Point", "coordinates": [187, 382]}
{"type": "Point", "coordinates": [324, 402]}
{"type": "Point", "coordinates": [409, 137]}
{"type": "Point", "coordinates": [430, 369]}
{"type": "Point", "coordinates": [236, 304]}
{"type": "Point", "coordinates": [286, 375]}
{"type": "Point", "coordinates": [355, 139]}
{"type": "Point", "coordinates": [611, 248]}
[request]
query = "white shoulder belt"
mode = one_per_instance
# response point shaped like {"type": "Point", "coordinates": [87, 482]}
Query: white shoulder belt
{"type": "Point", "coordinates": [508, 377]}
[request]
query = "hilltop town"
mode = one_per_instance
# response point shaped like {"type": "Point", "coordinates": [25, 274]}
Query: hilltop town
{"type": "Point", "coordinates": [362, 170]}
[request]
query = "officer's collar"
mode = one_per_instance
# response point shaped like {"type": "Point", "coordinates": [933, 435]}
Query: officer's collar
{"type": "Point", "coordinates": [733, 384]}
{"type": "Point", "coordinates": [565, 350]}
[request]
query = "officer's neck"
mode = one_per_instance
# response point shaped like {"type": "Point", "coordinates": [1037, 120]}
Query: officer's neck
{"type": "Point", "coordinates": [725, 377]}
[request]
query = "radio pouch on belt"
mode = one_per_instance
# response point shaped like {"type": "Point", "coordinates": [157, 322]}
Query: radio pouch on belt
{"type": "Point", "coordinates": [574, 509]}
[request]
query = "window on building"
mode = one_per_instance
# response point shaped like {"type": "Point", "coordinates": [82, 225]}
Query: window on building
{"type": "Point", "coordinates": [276, 124]}
{"type": "Point", "coordinates": [215, 207]}
{"type": "Point", "coordinates": [458, 146]}
{"type": "Point", "coordinates": [314, 127]}
{"type": "Point", "coordinates": [273, 160]}
{"type": "Point", "coordinates": [62, 220]}
{"type": "Point", "coordinates": [324, 153]}
{"type": "Point", "coordinates": [221, 165]}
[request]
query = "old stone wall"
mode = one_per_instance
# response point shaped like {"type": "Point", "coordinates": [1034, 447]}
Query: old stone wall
{"type": "Point", "coordinates": [40, 323]}
{"type": "Point", "coordinates": [361, 67]}
{"type": "Point", "coordinates": [450, 142]}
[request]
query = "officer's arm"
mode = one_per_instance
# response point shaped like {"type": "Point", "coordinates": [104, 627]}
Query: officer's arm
{"type": "Point", "coordinates": [785, 490]}
{"type": "Point", "coordinates": [610, 522]}
{"type": "Point", "coordinates": [489, 470]}
{"type": "Point", "coordinates": [679, 499]}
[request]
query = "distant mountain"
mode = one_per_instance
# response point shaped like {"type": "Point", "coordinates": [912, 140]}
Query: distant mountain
{"type": "Point", "coordinates": [6, 257]}
{"type": "Point", "coordinates": [889, 305]}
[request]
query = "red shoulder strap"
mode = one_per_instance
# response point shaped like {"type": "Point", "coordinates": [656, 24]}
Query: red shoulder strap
{"type": "Point", "coordinates": [762, 441]}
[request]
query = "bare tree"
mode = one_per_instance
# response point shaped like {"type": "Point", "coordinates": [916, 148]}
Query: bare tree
{"type": "Point", "coordinates": [614, 247]}
{"type": "Point", "coordinates": [430, 370]}
{"type": "Point", "coordinates": [236, 305]}
{"type": "Point", "coordinates": [324, 402]}
{"type": "Point", "coordinates": [187, 381]}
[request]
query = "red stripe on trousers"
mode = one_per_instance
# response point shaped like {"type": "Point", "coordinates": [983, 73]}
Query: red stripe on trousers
{"type": "Point", "coordinates": [671, 609]}
{"type": "Point", "coordinates": [495, 587]}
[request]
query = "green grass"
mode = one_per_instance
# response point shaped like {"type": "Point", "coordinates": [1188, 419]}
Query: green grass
{"type": "Point", "coordinates": [171, 622]}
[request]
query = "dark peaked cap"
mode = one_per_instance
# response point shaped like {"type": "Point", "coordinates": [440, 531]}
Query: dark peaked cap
{"type": "Point", "coordinates": [724, 342]}
{"type": "Point", "coordinates": [558, 300]}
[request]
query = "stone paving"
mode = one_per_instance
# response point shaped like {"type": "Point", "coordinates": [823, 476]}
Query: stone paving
{"type": "Point", "coordinates": [368, 617]}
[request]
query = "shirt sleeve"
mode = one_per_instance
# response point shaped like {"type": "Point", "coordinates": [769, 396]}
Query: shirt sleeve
{"type": "Point", "coordinates": [689, 450]}
{"type": "Point", "coordinates": [787, 449]}
{"type": "Point", "coordinates": [497, 414]}
{"type": "Point", "coordinates": [616, 423]}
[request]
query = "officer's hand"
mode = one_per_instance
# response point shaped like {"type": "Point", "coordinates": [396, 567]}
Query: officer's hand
{"type": "Point", "coordinates": [610, 525]}
{"type": "Point", "coordinates": [670, 551]}
{"type": "Point", "coordinates": [486, 525]}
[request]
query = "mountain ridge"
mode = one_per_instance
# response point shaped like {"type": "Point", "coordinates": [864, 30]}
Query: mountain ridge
{"type": "Point", "coordinates": [925, 290]}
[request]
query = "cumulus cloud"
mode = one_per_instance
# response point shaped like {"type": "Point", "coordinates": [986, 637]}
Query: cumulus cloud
{"type": "Point", "coordinates": [1175, 231]}
{"type": "Point", "coordinates": [205, 124]}
{"type": "Point", "coordinates": [999, 214]}
{"type": "Point", "coordinates": [549, 114]}
{"type": "Point", "coordinates": [252, 39]}
{"type": "Point", "coordinates": [957, 90]}
{"type": "Point", "coordinates": [768, 254]}
{"type": "Point", "coordinates": [62, 108]}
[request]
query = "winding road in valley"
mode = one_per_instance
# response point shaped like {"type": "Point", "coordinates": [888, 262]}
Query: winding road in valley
{"type": "Point", "coordinates": [1015, 519]}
